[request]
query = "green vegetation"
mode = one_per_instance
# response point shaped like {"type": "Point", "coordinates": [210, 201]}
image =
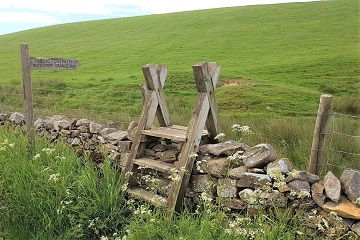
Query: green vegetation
{"type": "Point", "coordinates": [53, 195]}
{"type": "Point", "coordinates": [282, 58]}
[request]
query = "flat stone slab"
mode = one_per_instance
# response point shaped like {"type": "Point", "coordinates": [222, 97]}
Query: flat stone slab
{"type": "Point", "coordinates": [283, 165]}
{"type": "Point", "coordinates": [228, 148]}
{"type": "Point", "coordinates": [259, 156]}
{"type": "Point", "coordinates": [344, 208]}
{"type": "Point", "coordinates": [253, 180]}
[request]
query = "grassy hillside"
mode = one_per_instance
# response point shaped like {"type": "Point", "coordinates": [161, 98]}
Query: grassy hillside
{"type": "Point", "coordinates": [280, 57]}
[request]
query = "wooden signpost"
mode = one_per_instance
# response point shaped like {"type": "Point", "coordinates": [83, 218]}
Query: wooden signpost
{"type": "Point", "coordinates": [28, 63]}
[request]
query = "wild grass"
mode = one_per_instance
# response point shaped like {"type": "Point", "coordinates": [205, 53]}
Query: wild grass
{"type": "Point", "coordinates": [54, 195]}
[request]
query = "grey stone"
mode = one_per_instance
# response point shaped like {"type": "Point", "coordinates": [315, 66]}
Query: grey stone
{"type": "Point", "coordinates": [131, 130]}
{"type": "Point", "coordinates": [253, 180]}
{"type": "Point", "coordinates": [259, 156]}
{"type": "Point", "coordinates": [83, 129]}
{"type": "Point", "coordinates": [350, 183]}
{"type": "Point", "coordinates": [301, 175]}
{"type": "Point", "coordinates": [62, 124]}
{"type": "Point", "coordinates": [298, 186]}
{"type": "Point", "coordinates": [95, 127]}
{"type": "Point", "coordinates": [233, 203]}
{"type": "Point", "coordinates": [317, 194]}
{"type": "Point", "coordinates": [332, 187]}
{"type": "Point", "coordinates": [124, 146]}
{"type": "Point", "coordinates": [236, 173]}
{"type": "Point", "coordinates": [105, 131]}
{"type": "Point", "coordinates": [114, 156]}
{"type": "Point", "coordinates": [256, 170]}
{"type": "Point", "coordinates": [39, 123]}
{"type": "Point", "coordinates": [3, 116]}
{"type": "Point", "coordinates": [76, 142]}
{"type": "Point", "coordinates": [200, 162]}
{"type": "Point", "coordinates": [248, 195]}
{"type": "Point", "coordinates": [203, 183]}
{"type": "Point", "coordinates": [283, 165]}
{"type": "Point", "coordinates": [149, 153]}
{"type": "Point", "coordinates": [116, 136]}
{"type": "Point", "coordinates": [83, 122]}
{"type": "Point", "coordinates": [356, 228]}
{"type": "Point", "coordinates": [124, 158]}
{"type": "Point", "coordinates": [51, 120]}
{"type": "Point", "coordinates": [160, 147]}
{"type": "Point", "coordinates": [226, 188]}
{"type": "Point", "coordinates": [228, 148]}
{"type": "Point", "coordinates": [217, 166]}
{"type": "Point", "coordinates": [17, 118]}
{"type": "Point", "coordinates": [312, 178]}
{"type": "Point", "coordinates": [168, 156]}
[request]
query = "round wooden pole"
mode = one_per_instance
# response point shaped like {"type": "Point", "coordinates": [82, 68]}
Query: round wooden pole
{"type": "Point", "coordinates": [319, 137]}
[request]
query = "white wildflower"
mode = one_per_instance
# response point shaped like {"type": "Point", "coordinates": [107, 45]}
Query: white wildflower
{"type": "Point", "coordinates": [193, 155]}
{"type": "Point", "coordinates": [37, 156]}
{"type": "Point", "coordinates": [103, 238]}
{"type": "Point", "coordinates": [54, 177]}
{"type": "Point", "coordinates": [220, 137]}
{"type": "Point", "coordinates": [357, 202]}
{"type": "Point", "coordinates": [48, 150]}
{"type": "Point", "coordinates": [204, 197]}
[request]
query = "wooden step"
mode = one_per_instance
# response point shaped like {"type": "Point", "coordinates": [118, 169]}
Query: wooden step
{"type": "Point", "coordinates": [147, 196]}
{"type": "Point", "coordinates": [174, 132]}
{"type": "Point", "coordinates": [155, 164]}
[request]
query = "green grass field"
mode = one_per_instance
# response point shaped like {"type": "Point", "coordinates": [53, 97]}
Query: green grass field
{"type": "Point", "coordinates": [282, 58]}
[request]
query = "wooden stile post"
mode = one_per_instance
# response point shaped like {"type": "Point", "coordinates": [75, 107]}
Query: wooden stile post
{"type": "Point", "coordinates": [28, 97]}
{"type": "Point", "coordinates": [318, 144]}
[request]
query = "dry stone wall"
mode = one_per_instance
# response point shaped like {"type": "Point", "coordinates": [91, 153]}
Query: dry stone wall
{"type": "Point", "coordinates": [233, 174]}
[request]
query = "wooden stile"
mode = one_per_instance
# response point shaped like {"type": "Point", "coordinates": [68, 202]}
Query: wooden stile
{"type": "Point", "coordinates": [205, 113]}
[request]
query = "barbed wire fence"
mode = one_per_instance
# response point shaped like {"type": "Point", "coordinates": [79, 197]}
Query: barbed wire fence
{"type": "Point", "coordinates": [68, 102]}
{"type": "Point", "coordinates": [336, 140]}
{"type": "Point", "coordinates": [343, 139]}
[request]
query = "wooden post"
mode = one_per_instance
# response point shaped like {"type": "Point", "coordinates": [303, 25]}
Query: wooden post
{"type": "Point", "coordinates": [318, 144]}
{"type": "Point", "coordinates": [28, 102]}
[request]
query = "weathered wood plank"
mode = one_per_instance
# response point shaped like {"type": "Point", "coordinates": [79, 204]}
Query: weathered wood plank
{"type": "Point", "coordinates": [156, 165]}
{"type": "Point", "coordinates": [28, 97]}
{"type": "Point", "coordinates": [149, 197]}
{"type": "Point", "coordinates": [130, 171]}
{"type": "Point", "coordinates": [196, 126]}
{"type": "Point", "coordinates": [206, 77]}
{"type": "Point", "coordinates": [155, 79]}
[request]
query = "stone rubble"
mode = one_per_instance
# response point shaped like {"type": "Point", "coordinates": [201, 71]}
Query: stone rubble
{"type": "Point", "coordinates": [235, 175]}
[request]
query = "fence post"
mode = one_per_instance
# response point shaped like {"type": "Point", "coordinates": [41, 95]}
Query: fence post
{"type": "Point", "coordinates": [319, 137]}
{"type": "Point", "coordinates": [29, 112]}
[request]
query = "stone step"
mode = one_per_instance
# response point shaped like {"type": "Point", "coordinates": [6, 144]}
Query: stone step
{"type": "Point", "coordinates": [156, 165]}
{"type": "Point", "coordinates": [175, 133]}
{"type": "Point", "coordinates": [148, 196]}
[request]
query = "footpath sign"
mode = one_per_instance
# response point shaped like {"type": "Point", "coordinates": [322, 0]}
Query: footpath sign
{"type": "Point", "coordinates": [54, 63]}
{"type": "Point", "coordinates": [28, 63]}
